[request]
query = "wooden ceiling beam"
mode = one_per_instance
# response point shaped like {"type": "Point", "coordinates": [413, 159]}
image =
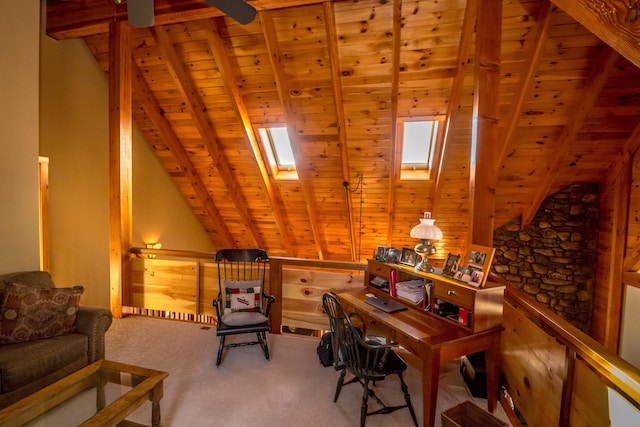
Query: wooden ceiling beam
{"type": "Point", "coordinates": [394, 170]}
{"type": "Point", "coordinates": [617, 184]}
{"type": "Point", "coordinates": [612, 284]}
{"type": "Point", "coordinates": [453, 106]}
{"type": "Point", "coordinates": [598, 77]}
{"type": "Point", "coordinates": [615, 22]}
{"type": "Point", "coordinates": [271, 40]}
{"type": "Point", "coordinates": [228, 71]}
{"type": "Point", "coordinates": [619, 173]}
{"type": "Point", "coordinates": [525, 82]}
{"type": "Point", "coordinates": [167, 135]}
{"type": "Point", "coordinates": [622, 159]}
{"type": "Point", "coordinates": [73, 19]}
{"type": "Point", "coordinates": [485, 132]}
{"type": "Point", "coordinates": [632, 260]}
{"type": "Point", "coordinates": [334, 63]}
{"type": "Point", "coordinates": [206, 129]}
{"type": "Point", "coordinates": [120, 167]}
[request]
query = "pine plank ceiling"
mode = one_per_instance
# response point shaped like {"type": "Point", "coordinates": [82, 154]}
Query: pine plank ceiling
{"type": "Point", "coordinates": [340, 74]}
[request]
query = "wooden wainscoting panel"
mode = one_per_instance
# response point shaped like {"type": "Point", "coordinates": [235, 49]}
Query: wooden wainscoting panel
{"type": "Point", "coordinates": [533, 368]}
{"type": "Point", "coordinates": [302, 292]}
{"type": "Point", "coordinates": [590, 399]}
{"type": "Point", "coordinates": [167, 285]}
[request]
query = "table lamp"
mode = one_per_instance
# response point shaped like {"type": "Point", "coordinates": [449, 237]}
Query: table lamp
{"type": "Point", "coordinates": [426, 231]}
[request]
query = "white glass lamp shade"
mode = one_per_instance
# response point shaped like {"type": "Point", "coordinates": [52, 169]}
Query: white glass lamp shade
{"type": "Point", "coordinates": [426, 231]}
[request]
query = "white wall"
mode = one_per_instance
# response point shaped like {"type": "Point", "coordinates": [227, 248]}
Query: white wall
{"type": "Point", "coordinates": [629, 343]}
{"type": "Point", "coordinates": [160, 212]}
{"type": "Point", "coordinates": [74, 135]}
{"type": "Point", "coordinates": [19, 29]}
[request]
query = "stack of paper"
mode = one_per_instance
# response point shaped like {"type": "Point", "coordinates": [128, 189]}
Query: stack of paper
{"type": "Point", "coordinates": [412, 290]}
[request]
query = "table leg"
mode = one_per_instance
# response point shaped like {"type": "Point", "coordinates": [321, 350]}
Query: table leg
{"type": "Point", "coordinates": [492, 366]}
{"type": "Point", "coordinates": [101, 400]}
{"type": "Point", "coordinates": [430, 377]}
{"type": "Point", "coordinates": [155, 414]}
{"type": "Point", "coordinates": [155, 397]}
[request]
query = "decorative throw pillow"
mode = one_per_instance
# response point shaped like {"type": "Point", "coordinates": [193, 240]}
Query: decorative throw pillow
{"type": "Point", "coordinates": [30, 312]}
{"type": "Point", "coordinates": [244, 296]}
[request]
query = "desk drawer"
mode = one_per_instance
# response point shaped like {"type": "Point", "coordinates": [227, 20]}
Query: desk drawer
{"type": "Point", "coordinates": [376, 328]}
{"type": "Point", "coordinates": [409, 343]}
{"type": "Point", "coordinates": [379, 269]}
{"type": "Point", "coordinates": [454, 294]}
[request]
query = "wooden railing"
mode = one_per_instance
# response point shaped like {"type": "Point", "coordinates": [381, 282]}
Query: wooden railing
{"type": "Point", "coordinates": [182, 284]}
{"type": "Point", "coordinates": [585, 362]}
{"type": "Point", "coordinates": [300, 283]}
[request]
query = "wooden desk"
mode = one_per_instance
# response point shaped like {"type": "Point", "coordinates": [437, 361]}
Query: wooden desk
{"type": "Point", "coordinates": [433, 340]}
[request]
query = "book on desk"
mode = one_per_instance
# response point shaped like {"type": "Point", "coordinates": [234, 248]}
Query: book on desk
{"type": "Point", "coordinates": [411, 290]}
{"type": "Point", "coordinates": [380, 283]}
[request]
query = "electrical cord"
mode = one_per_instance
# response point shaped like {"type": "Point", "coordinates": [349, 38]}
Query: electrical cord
{"type": "Point", "coordinates": [359, 187]}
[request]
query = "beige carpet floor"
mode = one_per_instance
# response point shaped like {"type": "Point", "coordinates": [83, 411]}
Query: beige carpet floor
{"type": "Point", "coordinates": [292, 389]}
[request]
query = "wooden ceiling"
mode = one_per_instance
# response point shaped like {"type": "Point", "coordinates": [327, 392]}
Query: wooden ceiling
{"type": "Point", "coordinates": [340, 74]}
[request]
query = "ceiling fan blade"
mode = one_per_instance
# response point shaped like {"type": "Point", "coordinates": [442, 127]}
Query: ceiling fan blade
{"type": "Point", "coordinates": [239, 10]}
{"type": "Point", "coordinates": [140, 13]}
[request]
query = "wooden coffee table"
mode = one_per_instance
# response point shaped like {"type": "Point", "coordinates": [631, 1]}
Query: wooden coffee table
{"type": "Point", "coordinates": [132, 386]}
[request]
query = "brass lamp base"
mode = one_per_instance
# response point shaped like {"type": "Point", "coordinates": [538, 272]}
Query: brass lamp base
{"type": "Point", "coordinates": [424, 249]}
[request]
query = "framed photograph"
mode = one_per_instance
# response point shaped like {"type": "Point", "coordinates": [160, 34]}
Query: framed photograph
{"type": "Point", "coordinates": [451, 265]}
{"type": "Point", "coordinates": [471, 275]}
{"type": "Point", "coordinates": [479, 267]}
{"type": "Point", "coordinates": [408, 257]}
{"type": "Point", "coordinates": [481, 256]}
{"type": "Point", "coordinates": [393, 255]}
{"type": "Point", "coordinates": [460, 274]}
{"type": "Point", "coordinates": [477, 278]}
{"type": "Point", "coordinates": [381, 252]}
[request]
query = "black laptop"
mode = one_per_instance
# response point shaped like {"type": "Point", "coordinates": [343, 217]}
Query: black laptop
{"type": "Point", "coordinates": [385, 304]}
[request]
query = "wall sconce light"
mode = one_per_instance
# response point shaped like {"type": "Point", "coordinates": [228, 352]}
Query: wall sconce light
{"type": "Point", "coordinates": [426, 231]}
{"type": "Point", "coordinates": [152, 246]}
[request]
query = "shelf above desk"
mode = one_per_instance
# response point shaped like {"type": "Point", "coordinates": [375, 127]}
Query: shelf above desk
{"type": "Point", "coordinates": [469, 307]}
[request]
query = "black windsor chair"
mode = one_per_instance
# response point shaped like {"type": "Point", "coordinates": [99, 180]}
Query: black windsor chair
{"type": "Point", "coordinates": [242, 305]}
{"type": "Point", "coordinates": [365, 360]}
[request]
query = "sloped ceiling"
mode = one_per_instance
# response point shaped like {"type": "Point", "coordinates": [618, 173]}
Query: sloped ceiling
{"type": "Point", "coordinates": [340, 74]}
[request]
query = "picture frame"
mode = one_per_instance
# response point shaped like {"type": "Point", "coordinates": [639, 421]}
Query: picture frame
{"type": "Point", "coordinates": [471, 275]}
{"type": "Point", "coordinates": [451, 265]}
{"type": "Point", "coordinates": [481, 256]}
{"type": "Point", "coordinates": [479, 261]}
{"type": "Point", "coordinates": [393, 255]}
{"type": "Point", "coordinates": [477, 278]}
{"type": "Point", "coordinates": [460, 274]}
{"type": "Point", "coordinates": [408, 257]}
{"type": "Point", "coordinates": [381, 252]}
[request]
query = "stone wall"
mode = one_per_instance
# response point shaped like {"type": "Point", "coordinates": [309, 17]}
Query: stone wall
{"type": "Point", "coordinates": [554, 258]}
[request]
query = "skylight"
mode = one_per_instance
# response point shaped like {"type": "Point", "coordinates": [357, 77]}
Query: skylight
{"type": "Point", "coordinates": [418, 138]}
{"type": "Point", "coordinates": [277, 148]}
